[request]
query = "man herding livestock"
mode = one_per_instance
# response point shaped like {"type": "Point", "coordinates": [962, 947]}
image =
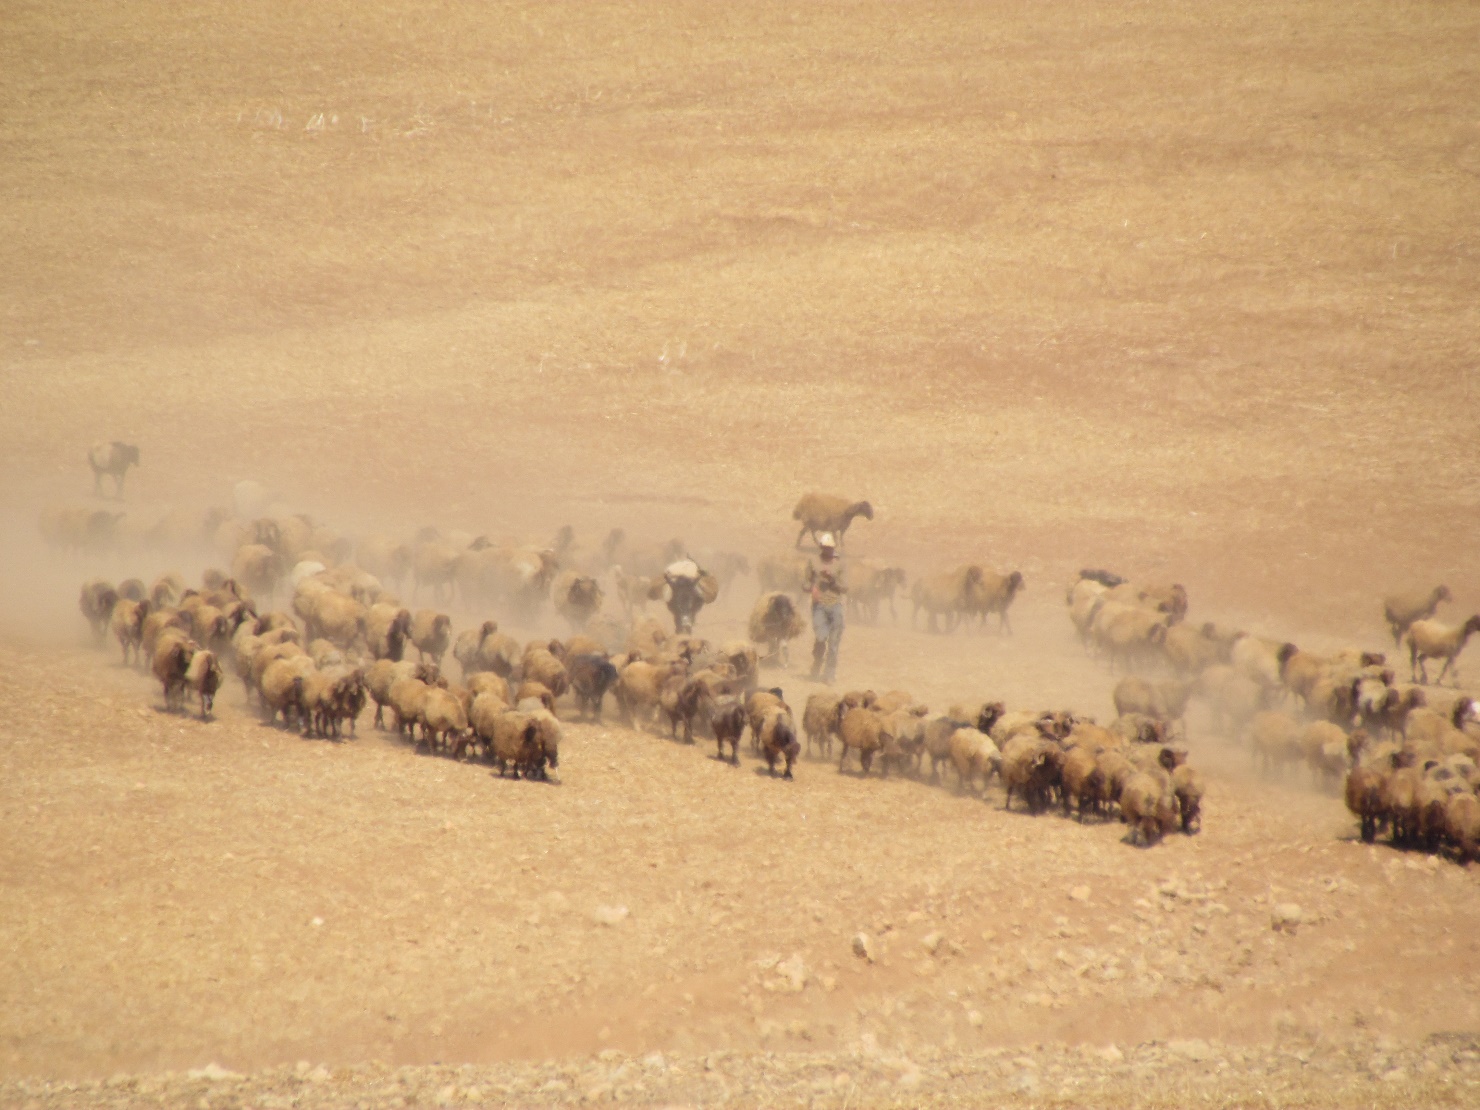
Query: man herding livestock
{"type": "Point", "coordinates": [825, 580]}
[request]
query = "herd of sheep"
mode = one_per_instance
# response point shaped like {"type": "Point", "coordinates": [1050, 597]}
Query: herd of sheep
{"type": "Point", "coordinates": [1407, 752]}
{"type": "Point", "coordinates": [345, 640]}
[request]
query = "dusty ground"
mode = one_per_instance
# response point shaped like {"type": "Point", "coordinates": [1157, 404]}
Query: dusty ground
{"type": "Point", "coordinates": [1186, 291]}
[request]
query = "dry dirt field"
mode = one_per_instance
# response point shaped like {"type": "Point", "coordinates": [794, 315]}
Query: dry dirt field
{"type": "Point", "coordinates": [1185, 290]}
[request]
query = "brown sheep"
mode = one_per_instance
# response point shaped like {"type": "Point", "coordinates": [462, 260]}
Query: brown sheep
{"type": "Point", "coordinates": [1187, 788]}
{"type": "Point", "coordinates": [647, 638]}
{"type": "Point", "coordinates": [639, 686]}
{"type": "Point", "coordinates": [1462, 824]}
{"type": "Point", "coordinates": [406, 697]}
{"type": "Point", "coordinates": [577, 598]}
{"type": "Point", "coordinates": [203, 677]}
{"type": "Point", "coordinates": [96, 603]}
{"type": "Point", "coordinates": [819, 721]}
{"type": "Point", "coordinates": [442, 718]}
{"type": "Point", "coordinates": [757, 705]}
{"type": "Point", "coordinates": [1190, 650]}
{"type": "Point", "coordinates": [825, 512]}
{"type": "Point", "coordinates": [157, 623]}
{"type": "Point", "coordinates": [1149, 807]}
{"type": "Point", "coordinates": [529, 690]}
{"type": "Point", "coordinates": [431, 633]}
{"type": "Point", "coordinates": [1083, 779]}
{"type": "Point", "coordinates": [1401, 610]}
{"type": "Point", "coordinates": [936, 733]}
{"type": "Point", "coordinates": [1430, 639]}
{"type": "Point", "coordinates": [774, 622]}
{"type": "Point", "coordinates": [170, 661]}
{"type": "Point", "coordinates": [387, 628]}
{"type": "Point", "coordinates": [1031, 765]}
{"type": "Point", "coordinates": [871, 584]}
{"type": "Point", "coordinates": [973, 754]}
{"type": "Point", "coordinates": [861, 730]}
{"type": "Point", "coordinates": [778, 735]}
{"type": "Point", "coordinates": [1274, 739]}
{"type": "Point", "coordinates": [127, 625]}
{"type": "Point", "coordinates": [112, 459]}
{"type": "Point", "coordinates": [787, 573]}
{"type": "Point", "coordinates": [591, 676]}
{"type": "Point", "coordinates": [994, 593]}
{"type": "Point", "coordinates": [281, 690]}
{"type": "Point", "coordinates": [257, 567]}
{"type": "Point", "coordinates": [540, 665]}
{"type": "Point", "coordinates": [946, 595]}
{"type": "Point", "coordinates": [512, 738]}
{"type": "Point", "coordinates": [728, 722]}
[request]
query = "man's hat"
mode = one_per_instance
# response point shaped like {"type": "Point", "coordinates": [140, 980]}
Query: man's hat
{"type": "Point", "coordinates": [826, 540]}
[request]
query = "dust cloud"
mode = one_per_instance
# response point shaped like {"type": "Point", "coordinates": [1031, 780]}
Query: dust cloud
{"type": "Point", "coordinates": [1021, 279]}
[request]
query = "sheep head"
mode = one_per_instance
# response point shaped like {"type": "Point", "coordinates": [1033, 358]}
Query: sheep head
{"type": "Point", "coordinates": [861, 508]}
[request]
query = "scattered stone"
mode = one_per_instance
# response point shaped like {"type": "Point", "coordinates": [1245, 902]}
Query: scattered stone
{"type": "Point", "coordinates": [610, 915]}
{"type": "Point", "coordinates": [1194, 1050]}
{"type": "Point", "coordinates": [863, 947]}
{"type": "Point", "coordinates": [212, 1072]}
{"type": "Point", "coordinates": [931, 942]}
{"type": "Point", "coordinates": [1080, 894]}
{"type": "Point", "coordinates": [794, 972]}
{"type": "Point", "coordinates": [1286, 917]}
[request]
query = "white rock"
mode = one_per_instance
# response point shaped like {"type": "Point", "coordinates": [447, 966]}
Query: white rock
{"type": "Point", "coordinates": [794, 971]}
{"type": "Point", "coordinates": [863, 947]}
{"type": "Point", "coordinates": [215, 1073]}
{"type": "Point", "coordinates": [1080, 894]}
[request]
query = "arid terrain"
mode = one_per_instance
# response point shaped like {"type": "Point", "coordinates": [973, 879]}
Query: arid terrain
{"type": "Point", "coordinates": [1186, 291]}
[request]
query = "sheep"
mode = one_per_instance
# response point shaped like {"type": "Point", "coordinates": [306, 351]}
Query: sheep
{"type": "Point", "coordinates": [384, 674]}
{"type": "Point", "coordinates": [333, 696]}
{"type": "Point", "coordinates": [787, 573]}
{"type": "Point", "coordinates": [1189, 650]}
{"type": "Point", "coordinates": [936, 732]}
{"type": "Point", "coordinates": [869, 585]}
{"type": "Point", "coordinates": [1128, 634]}
{"type": "Point", "coordinates": [639, 685]}
{"type": "Point", "coordinates": [973, 754]}
{"type": "Point", "coordinates": [281, 690]}
{"type": "Point", "coordinates": [96, 602]}
{"type": "Point", "coordinates": [743, 659]}
{"type": "Point", "coordinates": [633, 591]}
{"type": "Point", "coordinates": [904, 736]}
{"type": "Point", "coordinates": [547, 737]}
{"type": "Point", "coordinates": [1149, 807]}
{"type": "Point", "coordinates": [540, 665]}
{"type": "Point", "coordinates": [486, 649]}
{"type": "Point", "coordinates": [127, 625]}
{"type": "Point", "coordinates": [170, 660]}
{"type": "Point", "coordinates": [1401, 610]}
{"type": "Point", "coordinates": [203, 676]}
{"type": "Point", "coordinates": [1233, 698]}
{"type": "Point", "coordinates": [1324, 745]}
{"type": "Point", "coordinates": [1261, 659]}
{"type": "Point", "coordinates": [994, 593]}
{"type": "Point", "coordinates": [577, 598]}
{"type": "Point", "coordinates": [757, 705]}
{"type": "Point", "coordinates": [431, 633]}
{"type": "Point", "coordinates": [406, 698]}
{"type": "Point", "coordinates": [1163, 701]}
{"type": "Point", "coordinates": [1274, 738]}
{"type": "Point", "coordinates": [1083, 778]}
{"type": "Point", "coordinates": [824, 512]}
{"type": "Point", "coordinates": [387, 628]}
{"type": "Point", "coordinates": [532, 691]}
{"type": "Point", "coordinates": [1031, 766]}
{"type": "Point", "coordinates": [112, 459]}
{"type": "Point", "coordinates": [257, 567]}
{"type": "Point", "coordinates": [591, 676]}
{"type": "Point", "coordinates": [860, 729]}
{"type": "Point", "coordinates": [433, 564]}
{"type": "Point", "coordinates": [156, 624]}
{"type": "Point", "coordinates": [1462, 824]}
{"type": "Point", "coordinates": [947, 595]}
{"type": "Point", "coordinates": [442, 718]}
{"type": "Point", "coordinates": [512, 738]}
{"type": "Point", "coordinates": [1430, 639]}
{"type": "Point", "coordinates": [647, 638]}
{"type": "Point", "coordinates": [778, 737]}
{"type": "Point", "coordinates": [728, 722]}
{"type": "Point", "coordinates": [819, 719]}
{"type": "Point", "coordinates": [167, 589]}
{"type": "Point", "coordinates": [1187, 788]}
{"type": "Point", "coordinates": [774, 621]}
